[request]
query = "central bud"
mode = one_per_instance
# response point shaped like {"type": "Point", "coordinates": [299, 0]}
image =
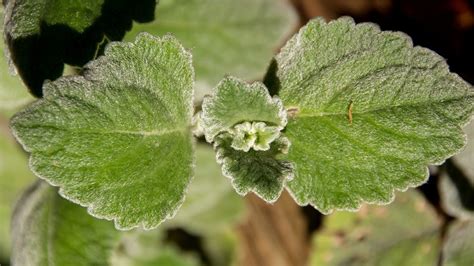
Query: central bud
{"type": "Point", "coordinates": [256, 135]}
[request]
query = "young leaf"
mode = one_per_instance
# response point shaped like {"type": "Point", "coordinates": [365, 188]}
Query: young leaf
{"type": "Point", "coordinates": [49, 230]}
{"type": "Point", "coordinates": [369, 112]}
{"type": "Point", "coordinates": [456, 185]}
{"type": "Point", "coordinates": [118, 139]}
{"type": "Point", "coordinates": [261, 172]}
{"type": "Point", "coordinates": [234, 102]}
{"type": "Point", "coordinates": [380, 235]}
{"type": "Point", "coordinates": [244, 122]}
{"type": "Point", "coordinates": [226, 36]}
{"type": "Point", "coordinates": [43, 35]}
{"type": "Point", "coordinates": [459, 244]}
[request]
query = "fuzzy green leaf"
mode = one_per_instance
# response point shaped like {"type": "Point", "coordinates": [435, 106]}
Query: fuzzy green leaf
{"type": "Point", "coordinates": [234, 102]}
{"type": "Point", "coordinates": [459, 244]}
{"type": "Point", "coordinates": [404, 233]}
{"type": "Point", "coordinates": [225, 36]}
{"type": "Point", "coordinates": [49, 230]}
{"type": "Point", "coordinates": [367, 112]}
{"type": "Point", "coordinates": [117, 139]}
{"type": "Point", "coordinates": [262, 172]}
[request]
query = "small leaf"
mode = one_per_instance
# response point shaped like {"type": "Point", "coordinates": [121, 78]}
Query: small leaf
{"type": "Point", "coordinates": [43, 35]}
{"type": "Point", "coordinates": [226, 36]}
{"type": "Point", "coordinates": [261, 172]}
{"type": "Point", "coordinates": [459, 244]}
{"type": "Point", "coordinates": [456, 185]}
{"type": "Point", "coordinates": [368, 112]}
{"type": "Point", "coordinates": [118, 139]}
{"type": "Point", "coordinates": [49, 230]}
{"type": "Point", "coordinates": [234, 102]}
{"type": "Point", "coordinates": [403, 233]}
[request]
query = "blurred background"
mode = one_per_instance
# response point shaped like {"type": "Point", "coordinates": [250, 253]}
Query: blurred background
{"type": "Point", "coordinates": [431, 225]}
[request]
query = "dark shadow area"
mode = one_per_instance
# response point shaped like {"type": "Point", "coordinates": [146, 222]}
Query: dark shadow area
{"type": "Point", "coordinates": [445, 26]}
{"type": "Point", "coordinates": [188, 242]}
{"type": "Point", "coordinates": [314, 218]}
{"type": "Point", "coordinates": [42, 56]}
{"type": "Point", "coordinates": [461, 181]}
{"type": "Point", "coordinates": [271, 80]}
{"type": "Point", "coordinates": [431, 193]}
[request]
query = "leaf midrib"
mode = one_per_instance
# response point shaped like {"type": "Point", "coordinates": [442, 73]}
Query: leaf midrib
{"type": "Point", "coordinates": [383, 108]}
{"type": "Point", "coordinates": [143, 133]}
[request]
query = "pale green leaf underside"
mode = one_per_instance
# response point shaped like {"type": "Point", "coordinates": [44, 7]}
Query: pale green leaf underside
{"type": "Point", "coordinates": [407, 112]}
{"type": "Point", "coordinates": [456, 185]}
{"type": "Point", "coordinates": [234, 102]}
{"type": "Point", "coordinates": [225, 36]}
{"type": "Point", "coordinates": [49, 230]}
{"type": "Point", "coordinates": [211, 203]}
{"type": "Point", "coordinates": [117, 139]}
{"type": "Point", "coordinates": [459, 244]}
{"type": "Point", "coordinates": [380, 235]}
{"type": "Point", "coordinates": [261, 172]}
{"type": "Point", "coordinates": [14, 178]}
{"type": "Point", "coordinates": [149, 248]}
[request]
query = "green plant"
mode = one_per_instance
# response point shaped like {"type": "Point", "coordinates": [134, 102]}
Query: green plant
{"type": "Point", "coordinates": [347, 114]}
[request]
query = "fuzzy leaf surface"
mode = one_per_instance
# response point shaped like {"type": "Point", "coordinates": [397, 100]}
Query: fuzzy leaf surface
{"type": "Point", "coordinates": [261, 172]}
{"type": "Point", "coordinates": [225, 36]}
{"type": "Point", "coordinates": [234, 102]}
{"type": "Point", "coordinates": [117, 139]}
{"type": "Point", "coordinates": [369, 112]}
{"type": "Point", "coordinates": [49, 230]}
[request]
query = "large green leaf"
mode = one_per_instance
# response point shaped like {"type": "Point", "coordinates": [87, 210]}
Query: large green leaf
{"type": "Point", "coordinates": [404, 233]}
{"type": "Point", "coordinates": [118, 139]}
{"type": "Point", "coordinates": [42, 35]}
{"type": "Point", "coordinates": [14, 178]}
{"type": "Point", "coordinates": [459, 244]}
{"type": "Point", "coordinates": [226, 36]}
{"type": "Point", "coordinates": [13, 95]}
{"type": "Point", "coordinates": [457, 181]}
{"type": "Point", "coordinates": [367, 112]}
{"type": "Point", "coordinates": [49, 230]}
